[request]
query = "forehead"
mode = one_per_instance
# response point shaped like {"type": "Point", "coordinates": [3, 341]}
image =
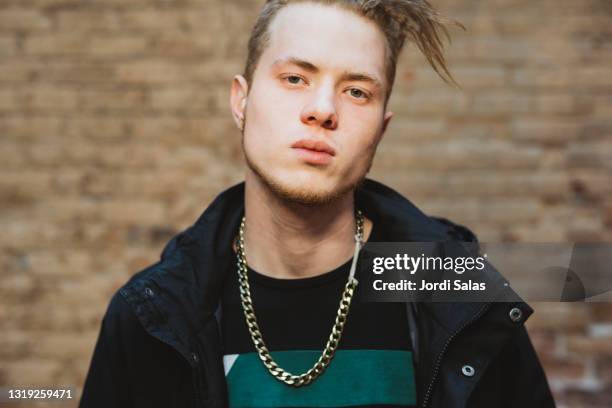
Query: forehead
{"type": "Point", "coordinates": [329, 37]}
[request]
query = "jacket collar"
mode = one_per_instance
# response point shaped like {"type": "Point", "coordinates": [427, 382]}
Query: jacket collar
{"type": "Point", "coordinates": [192, 269]}
{"type": "Point", "coordinates": [194, 261]}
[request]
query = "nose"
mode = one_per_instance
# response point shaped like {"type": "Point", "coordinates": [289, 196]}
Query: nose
{"type": "Point", "coordinates": [321, 110]}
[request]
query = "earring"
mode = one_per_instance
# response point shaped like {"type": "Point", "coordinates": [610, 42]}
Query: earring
{"type": "Point", "coordinates": [241, 120]}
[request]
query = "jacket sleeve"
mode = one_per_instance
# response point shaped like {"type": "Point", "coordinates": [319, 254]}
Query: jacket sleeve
{"type": "Point", "coordinates": [109, 381]}
{"type": "Point", "coordinates": [528, 386]}
{"type": "Point", "coordinates": [517, 376]}
{"type": "Point", "coordinates": [107, 384]}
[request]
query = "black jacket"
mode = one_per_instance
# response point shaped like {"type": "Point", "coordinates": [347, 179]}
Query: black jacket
{"type": "Point", "coordinates": [160, 345]}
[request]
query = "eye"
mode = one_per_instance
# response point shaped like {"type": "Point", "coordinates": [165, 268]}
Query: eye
{"type": "Point", "coordinates": [358, 93]}
{"type": "Point", "coordinates": [293, 79]}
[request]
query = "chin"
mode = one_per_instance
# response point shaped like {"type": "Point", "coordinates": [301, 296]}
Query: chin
{"type": "Point", "coordinates": [308, 192]}
{"type": "Point", "coordinates": [303, 188]}
{"type": "Point", "coordinates": [308, 196]}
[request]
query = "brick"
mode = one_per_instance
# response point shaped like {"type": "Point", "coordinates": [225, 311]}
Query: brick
{"type": "Point", "coordinates": [601, 312]}
{"type": "Point", "coordinates": [402, 131]}
{"type": "Point", "coordinates": [115, 156]}
{"type": "Point", "coordinates": [31, 372]}
{"type": "Point", "coordinates": [604, 367]}
{"type": "Point", "coordinates": [593, 394]}
{"type": "Point", "coordinates": [133, 212]}
{"type": "Point", "coordinates": [64, 346]}
{"type": "Point", "coordinates": [418, 76]}
{"type": "Point", "coordinates": [100, 128]}
{"type": "Point", "coordinates": [58, 318]}
{"type": "Point", "coordinates": [583, 346]}
{"type": "Point", "coordinates": [23, 19]}
{"type": "Point", "coordinates": [152, 72]}
{"type": "Point", "coordinates": [585, 224]}
{"type": "Point", "coordinates": [16, 286]}
{"type": "Point", "coordinates": [599, 330]}
{"type": "Point", "coordinates": [58, 263]}
{"type": "Point", "coordinates": [154, 19]}
{"type": "Point", "coordinates": [12, 155]}
{"type": "Point", "coordinates": [483, 130]}
{"type": "Point", "coordinates": [595, 76]}
{"type": "Point", "coordinates": [501, 212]}
{"type": "Point", "coordinates": [16, 71]}
{"type": "Point", "coordinates": [490, 49]}
{"type": "Point", "coordinates": [428, 104]}
{"type": "Point", "coordinates": [565, 368]}
{"type": "Point", "coordinates": [7, 100]}
{"type": "Point", "coordinates": [111, 100]}
{"type": "Point", "coordinates": [27, 235]}
{"type": "Point", "coordinates": [8, 46]}
{"type": "Point", "coordinates": [552, 132]}
{"type": "Point", "coordinates": [48, 99]}
{"type": "Point", "coordinates": [172, 99]}
{"type": "Point", "coordinates": [457, 157]}
{"type": "Point", "coordinates": [548, 77]}
{"type": "Point", "coordinates": [173, 131]}
{"type": "Point", "coordinates": [501, 102]}
{"type": "Point", "coordinates": [562, 103]}
{"type": "Point", "coordinates": [602, 106]}
{"type": "Point", "coordinates": [45, 153]}
{"type": "Point", "coordinates": [165, 185]}
{"type": "Point", "coordinates": [88, 20]}
{"type": "Point", "coordinates": [544, 342]}
{"type": "Point", "coordinates": [56, 44]}
{"type": "Point", "coordinates": [542, 231]}
{"type": "Point", "coordinates": [589, 156]}
{"type": "Point", "coordinates": [184, 44]}
{"type": "Point", "coordinates": [566, 317]}
{"type": "Point", "coordinates": [118, 46]}
{"type": "Point", "coordinates": [15, 345]}
{"type": "Point", "coordinates": [217, 72]}
{"type": "Point", "coordinates": [480, 76]}
{"type": "Point", "coordinates": [514, 23]}
{"type": "Point", "coordinates": [75, 72]}
{"type": "Point", "coordinates": [473, 183]}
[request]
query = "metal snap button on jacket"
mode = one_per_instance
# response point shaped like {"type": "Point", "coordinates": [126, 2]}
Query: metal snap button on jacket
{"type": "Point", "coordinates": [468, 370]}
{"type": "Point", "coordinates": [515, 314]}
{"type": "Point", "coordinates": [195, 357]}
{"type": "Point", "coordinates": [149, 292]}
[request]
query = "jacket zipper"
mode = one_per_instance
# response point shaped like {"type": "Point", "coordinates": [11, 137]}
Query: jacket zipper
{"type": "Point", "coordinates": [446, 344]}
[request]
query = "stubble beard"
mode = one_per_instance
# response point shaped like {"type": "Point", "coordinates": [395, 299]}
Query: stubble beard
{"type": "Point", "coordinates": [303, 196]}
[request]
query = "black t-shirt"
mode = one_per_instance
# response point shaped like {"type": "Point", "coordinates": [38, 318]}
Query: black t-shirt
{"type": "Point", "coordinates": [372, 366]}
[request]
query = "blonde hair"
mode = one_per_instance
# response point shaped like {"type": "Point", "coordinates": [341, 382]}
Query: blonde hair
{"type": "Point", "coordinates": [397, 19]}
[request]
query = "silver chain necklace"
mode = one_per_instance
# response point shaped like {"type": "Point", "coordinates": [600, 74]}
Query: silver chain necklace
{"type": "Point", "coordinates": [334, 338]}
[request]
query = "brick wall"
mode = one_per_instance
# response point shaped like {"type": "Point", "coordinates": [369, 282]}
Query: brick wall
{"type": "Point", "coordinates": [115, 133]}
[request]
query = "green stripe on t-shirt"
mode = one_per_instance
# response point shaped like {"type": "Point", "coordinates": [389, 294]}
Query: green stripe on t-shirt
{"type": "Point", "coordinates": [353, 378]}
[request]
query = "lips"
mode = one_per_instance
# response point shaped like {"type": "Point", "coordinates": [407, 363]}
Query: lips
{"type": "Point", "coordinates": [314, 145]}
{"type": "Point", "coordinates": [314, 151]}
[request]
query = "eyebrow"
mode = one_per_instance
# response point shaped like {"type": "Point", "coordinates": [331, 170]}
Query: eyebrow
{"type": "Point", "coordinates": [346, 76]}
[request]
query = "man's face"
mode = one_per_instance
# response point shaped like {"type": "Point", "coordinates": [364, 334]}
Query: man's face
{"type": "Point", "coordinates": [315, 108]}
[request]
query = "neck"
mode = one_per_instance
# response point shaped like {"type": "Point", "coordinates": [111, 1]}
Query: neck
{"type": "Point", "coordinates": [288, 240]}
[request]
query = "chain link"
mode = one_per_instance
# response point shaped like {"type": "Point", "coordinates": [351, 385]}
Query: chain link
{"type": "Point", "coordinates": [251, 321]}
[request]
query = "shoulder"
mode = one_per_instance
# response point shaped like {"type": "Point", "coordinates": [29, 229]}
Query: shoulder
{"type": "Point", "coordinates": [120, 319]}
{"type": "Point", "coordinates": [133, 291]}
{"type": "Point", "coordinates": [403, 220]}
{"type": "Point", "coordinates": [455, 230]}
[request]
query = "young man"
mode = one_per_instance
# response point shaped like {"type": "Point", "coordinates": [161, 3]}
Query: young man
{"type": "Point", "coordinates": [245, 312]}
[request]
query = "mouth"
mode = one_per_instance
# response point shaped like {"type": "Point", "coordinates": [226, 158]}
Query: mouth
{"type": "Point", "coordinates": [314, 151]}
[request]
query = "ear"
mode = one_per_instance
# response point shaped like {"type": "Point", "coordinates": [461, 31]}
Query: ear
{"type": "Point", "coordinates": [386, 120]}
{"type": "Point", "coordinates": [238, 99]}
